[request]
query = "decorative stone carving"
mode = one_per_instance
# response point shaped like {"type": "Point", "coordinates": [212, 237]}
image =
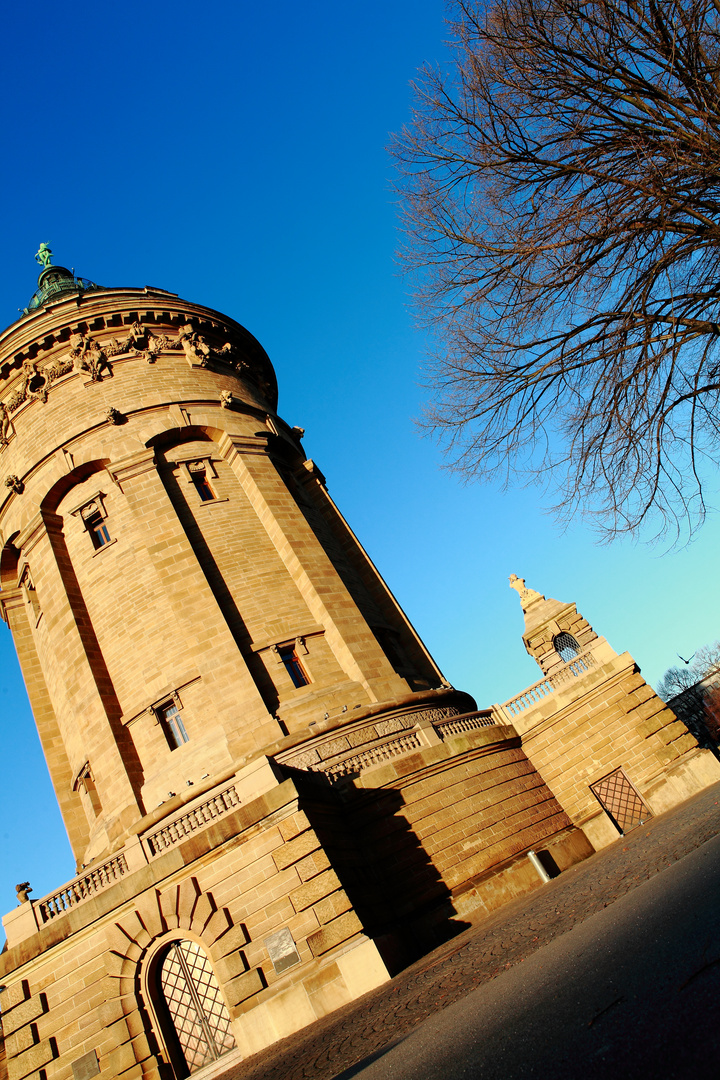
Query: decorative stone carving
{"type": "Point", "coordinates": [6, 427]}
{"type": "Point", "coordinates": [527, 596]}
{"type": "Point", "coordinates": [15, 484]}
{"type": "Point", "coordinates": [88, 355]}
{"type": "Point", "coordinates": [60, 367]}
{"type": "Point", "coordinates": [434, 716]}
{"type": "Point", "coordinates": [35, 384]}
{"type": "Point", "coordinates": [114, 416]}
{"type": "Point", "coordinates": [305, 760]}
{"type": "Point", "coordinates": [155, 345]}
{"type": "Point", "coordinates": [22, 891]}
{"type": "Point", "coordinates": [115, 348]}
{"type": "Point", "coordinates": [136, 336]}
{"type": "Point", "coordinates": [226, 399]}
{"type": "Point", "coordinates": [196, 349]}
{"type": "Point", "coordinates": [387, 727]}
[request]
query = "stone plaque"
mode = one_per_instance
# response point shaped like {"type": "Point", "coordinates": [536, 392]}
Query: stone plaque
{"type": "Point", "coordinates": [282, 951]}
{"type": "Point", "coordinates": [85, 1067]}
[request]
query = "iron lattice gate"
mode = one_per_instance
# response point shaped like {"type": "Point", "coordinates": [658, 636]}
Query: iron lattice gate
{"type": "Point", "coordinates": [198, 1013]}
{"type": "Point", "coordinates": [620, 800]}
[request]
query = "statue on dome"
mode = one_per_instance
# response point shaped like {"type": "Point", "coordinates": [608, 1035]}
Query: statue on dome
{"type": "Point", "coordinates": [43, 255]}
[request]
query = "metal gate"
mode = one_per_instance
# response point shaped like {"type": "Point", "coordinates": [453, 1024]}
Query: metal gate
{"type": "Point", "coordinates": [198, 1013]}
{"type": "Point", "coordinates": [620, 800]}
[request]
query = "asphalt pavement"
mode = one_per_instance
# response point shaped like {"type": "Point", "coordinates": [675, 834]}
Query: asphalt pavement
{"type": "Point", "coordinates": [610, 970]}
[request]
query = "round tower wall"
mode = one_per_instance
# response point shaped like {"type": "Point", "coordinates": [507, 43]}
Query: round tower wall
{"type": "Point", "coordinates": [182, 591]}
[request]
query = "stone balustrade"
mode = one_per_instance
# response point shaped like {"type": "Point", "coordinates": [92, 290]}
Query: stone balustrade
{"type": "Point", "coordinates": [375, 755]}
{"type": "Point", "coordinates": [175, 831]}
{"type": "Point", "coordinates": [81, 888]}
{"type": "Point", "coordinates": [457, 725]}
{"type": "Point", "coordinates": [546, 687]}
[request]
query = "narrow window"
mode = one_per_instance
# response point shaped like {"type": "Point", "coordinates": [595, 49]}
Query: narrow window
{"type": "Point", "coordinates": [85, 784]}
{"type": "Point", "coordinates": [94, 521]}
{"type": "Point", "coordinates": [294, 668]}
{"type": "Point", "coordinates": [31, 595]}
{"type": "Point", "coordinates": [199, 477]}
{"type": "Point", "coordinates": [172, 725]}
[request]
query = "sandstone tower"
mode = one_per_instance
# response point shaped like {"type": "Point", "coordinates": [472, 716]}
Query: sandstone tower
{"type": "Point", "coordinates": [272, 794]}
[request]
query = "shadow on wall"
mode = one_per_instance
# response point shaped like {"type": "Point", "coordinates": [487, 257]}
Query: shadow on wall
{"type": "Point", "coordinates": [397, 893]}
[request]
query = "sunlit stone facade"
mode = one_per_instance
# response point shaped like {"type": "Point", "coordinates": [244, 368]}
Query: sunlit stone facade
{"type": "Point", "coordinates": [274, 797]}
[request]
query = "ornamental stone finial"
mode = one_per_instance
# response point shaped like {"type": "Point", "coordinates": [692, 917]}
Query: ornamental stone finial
{"type": "Point", "coordinates": [43, 255]}
{"type": "Point", "coordinates": [527, 596]}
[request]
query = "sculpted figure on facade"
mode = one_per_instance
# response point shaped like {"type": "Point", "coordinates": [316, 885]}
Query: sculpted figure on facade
{"type": "Point", "coordinates": [196, 349]}
{"type": "Point", "coordinates": [22, 891]}
{"type": "Point", "coordinates": [99, 360]}
{"type": "Point", "coordinates": [6, 427]}
{"type": "Point", "coordinates": [155, 345]}
{"type": "Point", "coordinates": [15, 484]}
{"type": "Point", "coordinates": [89, 356]}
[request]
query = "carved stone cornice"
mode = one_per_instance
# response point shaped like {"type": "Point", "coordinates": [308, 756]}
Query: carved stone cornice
{"type": "Point", "coordinates": [125, 324]}
{"type": "Point", "coordinates": [133, 465]}
{"type": "Point", "coordinates": [243, 444]}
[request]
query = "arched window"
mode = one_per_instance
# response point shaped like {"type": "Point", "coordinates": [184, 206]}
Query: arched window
{"type": "Point", "coordinates": [566, 647]}
{"type": "Point", "coordinates": [196, 1018]}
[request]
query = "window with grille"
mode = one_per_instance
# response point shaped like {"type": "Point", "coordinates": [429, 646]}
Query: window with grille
{"type": "Point", "coordinates": [620, 800]}
{"type": "Point", "coordinates": [566, 647]}
{"type": "Point", "coordinates": [172, 725]}
{"type": "Point", "coordinates": [197, 1021]}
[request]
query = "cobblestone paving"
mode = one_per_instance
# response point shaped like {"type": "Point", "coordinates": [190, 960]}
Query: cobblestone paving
{"type": "Point", "coordinates": [359, 1030]}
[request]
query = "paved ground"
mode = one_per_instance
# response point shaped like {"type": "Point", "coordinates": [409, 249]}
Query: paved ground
{"type": "Point", "coordinates": [633, 991]}
{"type": "Point", "coordinates": [335, 1045]}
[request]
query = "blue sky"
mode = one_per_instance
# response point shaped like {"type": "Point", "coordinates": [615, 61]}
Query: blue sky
{"type": "Point", "coordinates": [236, 155]}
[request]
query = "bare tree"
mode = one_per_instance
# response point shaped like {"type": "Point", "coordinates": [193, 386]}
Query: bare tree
{"type": "Point", "coordinates": [677, 679]}
{"type": "Point", "coordinates": [561, 193]}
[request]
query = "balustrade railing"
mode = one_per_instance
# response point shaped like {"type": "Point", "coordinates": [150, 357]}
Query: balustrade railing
{"type": "Point", "coordinates": [373, 756]}
{"type": "Point", "coordinates": [456, 725]}
{"type": "Point", "coordinates": [196, 818]}
{"type": "Point", "coordinates": [82, 888]}
{"type": "Point", "coordinates": [546, 687]}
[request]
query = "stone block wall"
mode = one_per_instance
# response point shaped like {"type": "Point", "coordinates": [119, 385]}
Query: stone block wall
{"type": "Point", "coordinates": [424, 840]}
{"type": "Point", "coordinates": [605, 719]}
{"type": "Point", "coordinates": [83, 984]}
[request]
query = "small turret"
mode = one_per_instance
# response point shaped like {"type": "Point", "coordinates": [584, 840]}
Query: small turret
{"type": "Point", "coordinates": [554, 631]}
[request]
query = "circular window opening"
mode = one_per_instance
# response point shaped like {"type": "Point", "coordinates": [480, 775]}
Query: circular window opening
{"type": "Point", "coordinates": [566, 647]}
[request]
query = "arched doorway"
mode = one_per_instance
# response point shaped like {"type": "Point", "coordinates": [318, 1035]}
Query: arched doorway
{"type": "Point", "coordinates": [197, 1017]}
